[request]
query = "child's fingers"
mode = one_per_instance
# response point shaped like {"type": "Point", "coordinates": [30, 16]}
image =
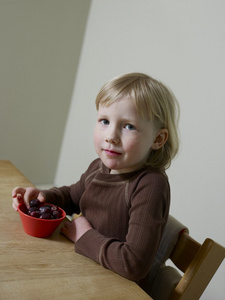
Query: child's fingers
{"type": "Point", "coordinates": [20, 194]}
{"type": "Point", "coordinates": [16, 201]}
{"type": "Point", "coordinates": [41, 197]}
{"type": "Point", "coordinates": [18, 190]}
{"type": "Point", "coordinates": [14, 206]}
{"type": "Point", "coordinates": [69, 230]}
{"type": "Point", "coordinates": [17, 195]}
{"type": "Point", "coordinates": [31, 193]}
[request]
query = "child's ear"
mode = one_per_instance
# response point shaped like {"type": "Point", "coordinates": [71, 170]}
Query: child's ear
{"type": "Point", "coordinates": [160, 139]}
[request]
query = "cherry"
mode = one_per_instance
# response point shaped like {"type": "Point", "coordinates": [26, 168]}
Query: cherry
{"type": "Point", "coordinates": [35, 214]}
{"type": "Point", "coordinates": [43, 211]}
{"type": "Point", "coordinates": [35, 203]}
{"type": "Point", "coordinates": [55, 214]}
{"type": "Point", "coordinates": [45, 216]}
{"type": "Point", "coordinates": [54, 208]}
{"type": "Point", "coordinates": [31, 209]}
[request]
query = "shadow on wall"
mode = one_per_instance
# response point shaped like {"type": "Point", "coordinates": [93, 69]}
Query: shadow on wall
{"type": "Point", "coordinates": [40, 50]}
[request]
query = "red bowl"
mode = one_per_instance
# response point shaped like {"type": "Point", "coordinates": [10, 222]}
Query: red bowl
{"type": "Point", "coordinates": [38, 227]}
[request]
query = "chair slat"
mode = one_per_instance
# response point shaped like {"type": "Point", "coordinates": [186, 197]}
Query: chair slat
{"type": "Point", "coordinates": [184, 251]}
{"type": "Point", "coordinates": [200, 271]}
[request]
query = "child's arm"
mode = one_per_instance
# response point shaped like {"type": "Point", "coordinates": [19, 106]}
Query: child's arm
{"type": "Point", "coordinates": [132, 258]}
{"type": "Point", "coordinates": [68, 197]}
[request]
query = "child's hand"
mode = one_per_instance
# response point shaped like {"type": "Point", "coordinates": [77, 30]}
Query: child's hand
{"type": "Point", "coordinates": [76, 228]}
{"type": "Point", "coordinates": [20, 194]}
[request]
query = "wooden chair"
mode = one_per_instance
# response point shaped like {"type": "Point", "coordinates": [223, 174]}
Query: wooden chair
{"type": "Point", "coordinates": [198, 263]}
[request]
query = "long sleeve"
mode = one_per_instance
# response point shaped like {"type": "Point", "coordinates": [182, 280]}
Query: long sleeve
{"type": "Point", "coordinates": [68, 197]}
{"type": "Point", "coordinates": [128, 213]}
{"type": "Point", "coordinates": [130, 247]}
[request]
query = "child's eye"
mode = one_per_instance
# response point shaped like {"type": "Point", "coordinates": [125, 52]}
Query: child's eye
{"type": "Point", "coordinates": [104, 122]}
{"type": "Point", "coordinates": [129, 127]}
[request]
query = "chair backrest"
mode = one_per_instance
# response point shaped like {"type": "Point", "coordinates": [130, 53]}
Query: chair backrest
{"type": "Point", "coordinates": [195, 265]}
{"type": "Point", "coordinates": [198, 264]}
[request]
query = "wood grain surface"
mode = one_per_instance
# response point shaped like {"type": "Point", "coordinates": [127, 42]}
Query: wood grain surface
{"type": "Point", "coordinates": [48, 268]}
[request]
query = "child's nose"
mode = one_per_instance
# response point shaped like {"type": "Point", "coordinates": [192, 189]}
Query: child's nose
{"type": "Point", "coordinates": [112, 140]}
{"type": "Point", "coordinates": [112, 137]}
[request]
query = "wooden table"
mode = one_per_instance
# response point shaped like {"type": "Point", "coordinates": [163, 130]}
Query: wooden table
{"type": "Point", "coordinates": [48, 268]}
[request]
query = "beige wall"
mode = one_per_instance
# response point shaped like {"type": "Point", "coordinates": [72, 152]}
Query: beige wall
{"type": "Point", "coordinates": [182, 43]}
{"type": "Point", "coordinates": [40, 48]}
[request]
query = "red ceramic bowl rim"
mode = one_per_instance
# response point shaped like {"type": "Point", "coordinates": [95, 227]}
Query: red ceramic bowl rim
{"type": "Point", "coordinates": [43, 220]}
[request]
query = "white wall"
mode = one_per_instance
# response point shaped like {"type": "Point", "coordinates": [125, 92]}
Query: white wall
{"type": "Point", "coordinates": [39, 54]}
{"type": "Point", "coordinates": [181, 43]}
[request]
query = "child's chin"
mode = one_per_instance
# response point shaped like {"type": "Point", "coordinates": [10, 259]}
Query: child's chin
{"type": "Point", "coordinates": [109, 163]}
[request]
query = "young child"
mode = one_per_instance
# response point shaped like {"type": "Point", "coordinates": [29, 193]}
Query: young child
{"type": "Point", "coordinates": [124, 195]}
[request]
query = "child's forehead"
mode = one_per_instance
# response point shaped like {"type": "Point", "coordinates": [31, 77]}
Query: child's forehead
{"type": "Point", "coordinates": [125, 107]}
{"type": "Point", "coordinates": [122, 101]}
{"type": "Point", "coordinates": [141, 102]}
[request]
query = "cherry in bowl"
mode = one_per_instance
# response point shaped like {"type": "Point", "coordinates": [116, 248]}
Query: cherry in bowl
{"type": "Point", "coordinates": [41, 219]}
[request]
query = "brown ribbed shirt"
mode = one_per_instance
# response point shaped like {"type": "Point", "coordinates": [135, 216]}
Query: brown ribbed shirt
{"type": "Point", "coordinates": [128, 213]}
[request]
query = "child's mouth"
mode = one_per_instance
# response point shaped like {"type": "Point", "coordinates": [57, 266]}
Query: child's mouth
{"type": "Point", "coordinates": [112, 153]}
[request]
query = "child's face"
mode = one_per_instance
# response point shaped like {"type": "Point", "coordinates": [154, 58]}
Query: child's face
{"type": "Point", "coordinates": [122, 139]}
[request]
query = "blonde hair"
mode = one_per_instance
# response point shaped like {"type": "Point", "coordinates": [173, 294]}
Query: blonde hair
{"type": "Point", "coordinates": [154, 101]}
